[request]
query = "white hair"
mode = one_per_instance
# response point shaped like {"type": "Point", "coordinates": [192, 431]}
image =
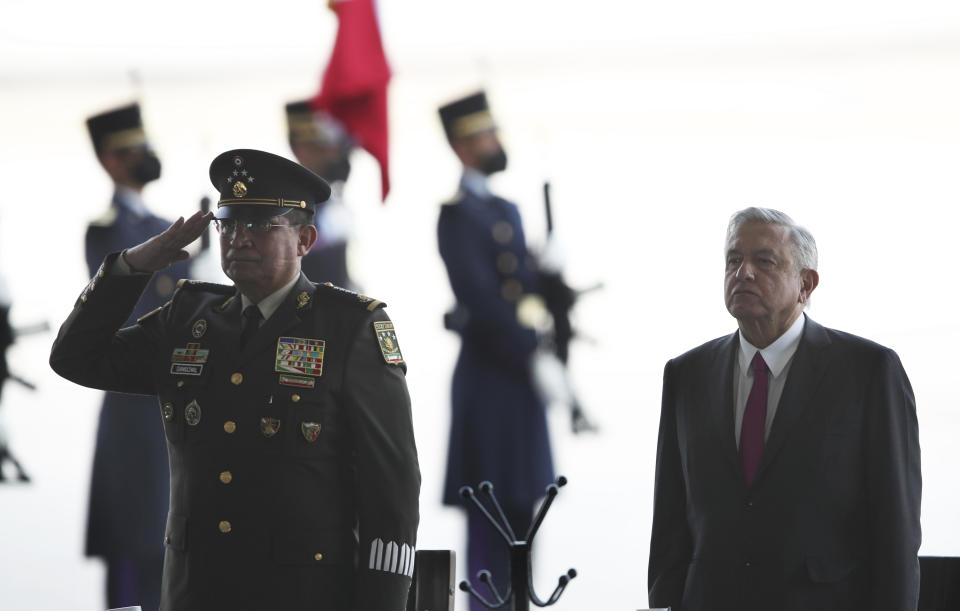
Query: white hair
{"type": "Point", "coordinates": [801, 241]}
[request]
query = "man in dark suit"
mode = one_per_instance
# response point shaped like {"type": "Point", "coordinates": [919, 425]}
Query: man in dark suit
{"type": "Point", "coordinates": [293, 468]}
{"type": "Point", "coordinates": [498, 429]}
{"type": "Point", "coordinates": [788, 459]}
{"type": "Point", "coordinates": [129, 488]}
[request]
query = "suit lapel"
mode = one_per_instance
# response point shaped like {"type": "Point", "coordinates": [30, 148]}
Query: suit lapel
{"type": "Point", "coordinates": [806, 373]}
{"type": "Point", "coordinates": [286, 316]}
{"type": "Point", "coordinates": [721, 403]}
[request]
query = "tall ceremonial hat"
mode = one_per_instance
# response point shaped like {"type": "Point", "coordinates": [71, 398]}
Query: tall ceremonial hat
{"type": "Point", "coordinates": [117, 129]}
{"type": "Point", "coordinates": [467, 116]}
{"type": "Point", "coordinates": [259, 185]}
{"type": "Point", "coordinates": [304, 124]}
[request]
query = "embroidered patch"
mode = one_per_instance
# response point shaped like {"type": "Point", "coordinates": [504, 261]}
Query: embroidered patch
{"type": "Point", "coordinates": [301, 355]}
{"type": "Point", "coordinates": [192, 413]}
{"type": "Point", "coordinates": [288, 380]}
{"type": "Point", "coordinates": [186, 369]}
{"type": "Point", "coordinates": [387, 338]}
{"type": "Point", "coordinates": [310, 430]}
{"type": "Point", "coordinates": [269, 426]}
{"type": "Point", "coordinates": [199, 328]}
{"type": "Point", "coordinates": [191, 354]}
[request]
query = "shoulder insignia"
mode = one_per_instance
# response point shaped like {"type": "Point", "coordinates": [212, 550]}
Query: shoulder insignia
{"type": "Point", "coordinates": [209, 287]}
{"type": "Point", "coordinates": [368, 303]}
{"type": "Point", "coordinates": [152, 313]}
{"type": "Point", "coordinates": [455, 199]}
{"type": "Point", "coordinates": [107, 218]}
{"type": "Point", "coordinates": [223, 306]}
{"type": "Point", "coordinates": [387, 338]}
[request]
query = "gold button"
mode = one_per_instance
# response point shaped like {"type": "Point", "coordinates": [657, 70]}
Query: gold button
{"type": "Point", "coordinates": [295, 397]}
{"type": "Point", "coordinates": [93, 285]}
{"type": "Point", "coordinates": [225, 526]}
{"type": "Point", "coordinates": [229, 426]}
{"type": "Point", "coordinates": [511, 289]}
{"type": "Point", "coordinates": [318, 556]}
{"type": "Point", "coordinates": [226, 477]}
{"type": "Point", "coordinates": [236, 378]}
{"type": "Point", "coordinates": [167, 539]}
{"type": "Point", "coordinates": [100, 273]}
{"type": "Point", "coordinates": [83, 298]}
{"type": "Point", "coordinates": [179, 383]}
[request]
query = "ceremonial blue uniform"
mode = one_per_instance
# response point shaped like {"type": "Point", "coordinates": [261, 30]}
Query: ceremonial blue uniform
{"type": "Point", "coordinates": [499, 428]}
{"type": "Point", "coordinates": [130, 487]}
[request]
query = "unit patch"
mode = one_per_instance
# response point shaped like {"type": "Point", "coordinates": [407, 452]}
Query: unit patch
{"type": "Point", "coordinates": [289, 380]}
{"type": "Point", "coordinates": [269, 426]}
{"type": "Point", "coordinates": [192, 413]}
{"type": "Point", "coordinates": [189, 361]}
{"type": "Point", "coordinates": [387, 338]}
{"type": "Point", "coordinates": [199, 328]}
{"type": "Point", "coordinates": [310, 430]}
{"type": "Point", "coordinates": [302, 355]}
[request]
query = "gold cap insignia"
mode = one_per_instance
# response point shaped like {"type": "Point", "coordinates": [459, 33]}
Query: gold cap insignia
{"type": "Point", "coordinates": [239, 189]}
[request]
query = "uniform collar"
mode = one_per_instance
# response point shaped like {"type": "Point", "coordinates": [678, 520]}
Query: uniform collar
{"type": "Point", "coordinates": [777, 354]}
{"type": "Point", "coordinates": [475, 182]}
{"type": "Point", "coordinates": [130, 200]}
{"type": "Point", "coordinates": [271, 302]}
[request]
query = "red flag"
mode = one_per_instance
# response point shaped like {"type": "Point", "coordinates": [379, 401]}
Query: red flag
{"type": "Point", "coordinates": [354, 86]}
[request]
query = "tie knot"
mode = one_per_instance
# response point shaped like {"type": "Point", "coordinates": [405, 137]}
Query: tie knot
{"type": "Point", "coordinates": [252, 314]}
{"type": "Point", "coordinates": [759, 365]}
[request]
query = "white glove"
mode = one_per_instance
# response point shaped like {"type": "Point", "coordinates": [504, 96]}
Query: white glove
{"type": "Point", "coordinates": [550, 380]}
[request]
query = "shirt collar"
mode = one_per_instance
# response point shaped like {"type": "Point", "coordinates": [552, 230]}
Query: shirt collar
{"type": "Point", "coordinates": [475, 182]}
{"type": "Point", "coordinates": [271, 302]}
{"type": "Point", "coordinates": [131, 200]}
{"type": "Point", "coordinates": [777, 354]}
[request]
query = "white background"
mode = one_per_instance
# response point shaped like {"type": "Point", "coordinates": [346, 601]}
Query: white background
{"type": "Point", "coordinates": [654, 122]}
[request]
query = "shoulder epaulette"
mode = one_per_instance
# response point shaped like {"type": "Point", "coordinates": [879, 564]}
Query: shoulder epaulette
{"type": "Point", "coordinates": [455, 199]}
{"type": "Point", "coordinates": [209, 287]}
{"type": "Point", "coordinates": [152, 313]}
{"type": "Point", "coordinates": [107, 218]}
{"type": "Point", "coordinates": [369, 303]}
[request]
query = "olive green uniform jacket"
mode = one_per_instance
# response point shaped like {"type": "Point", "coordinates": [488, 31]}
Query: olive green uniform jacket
{"type": "Point", "coordinates": [294, 480]}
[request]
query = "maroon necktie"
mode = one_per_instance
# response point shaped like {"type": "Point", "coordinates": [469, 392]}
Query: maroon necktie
{"type": "Point", "coordinates": [754, 420]}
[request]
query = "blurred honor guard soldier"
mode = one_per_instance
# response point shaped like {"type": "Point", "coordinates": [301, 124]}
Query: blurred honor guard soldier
{"type": "Point", "coordinates": [321, 144]}
{"type": "Point", "coordinates": [294, 476]}
{"type": "Point", "coordinates": [129, 491]}
{"type": "Point", "coordinates": [788, 462]}
{"type": "Point", "coordinates": [499, 428]}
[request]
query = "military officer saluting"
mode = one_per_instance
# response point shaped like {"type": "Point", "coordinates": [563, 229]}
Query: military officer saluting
{"type": "Point", "coordinates": [294, 475]}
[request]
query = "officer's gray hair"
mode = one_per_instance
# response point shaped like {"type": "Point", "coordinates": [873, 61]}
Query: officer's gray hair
{"type": "Point", "coordinates": [802, 242]}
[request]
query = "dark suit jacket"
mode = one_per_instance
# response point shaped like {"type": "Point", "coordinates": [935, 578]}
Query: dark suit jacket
{"type": "Point", "coordinates": [832, 519]}
{"type": "Point", "coordinates": [288, 490]}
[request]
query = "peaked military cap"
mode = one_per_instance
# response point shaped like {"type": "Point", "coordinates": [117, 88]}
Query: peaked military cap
{"type": "Point", "coordinates": [467, 116]}
{"type": "Point", "coordinates": [304, 124]}
{"type": "Point", "coordinates": [116, 129]}
{"type": "Point", "coordinates": [260, 185]}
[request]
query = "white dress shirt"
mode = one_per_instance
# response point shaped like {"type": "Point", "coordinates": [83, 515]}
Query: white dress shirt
{"type": "Point", "coordinates": [778, 356]}
{"type": "Point", "coordinates": [269, 304]}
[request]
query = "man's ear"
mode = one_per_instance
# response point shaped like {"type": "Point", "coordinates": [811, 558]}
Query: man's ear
{"type": "Point", "coordinates": [809, 279]}
{"type": "Point", "coordinates": [306, 238]}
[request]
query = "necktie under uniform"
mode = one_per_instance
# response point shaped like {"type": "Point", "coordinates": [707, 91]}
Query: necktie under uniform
{"type": "Point", "coordinates": [251, 322]}
{"type": "Point", "coordinates": [754, 420]}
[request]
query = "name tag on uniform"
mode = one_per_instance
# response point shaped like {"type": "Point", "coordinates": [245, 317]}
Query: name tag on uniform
{"type": "Point", "coordinates": [188, 361]}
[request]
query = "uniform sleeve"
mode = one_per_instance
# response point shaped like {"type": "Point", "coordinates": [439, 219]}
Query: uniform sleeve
{"type": "Point", "coordinates": [477, 286]}
{"type": "Point", "coordinates": [378, 411]}
{"type": "Point", "coordinates": [893, 487]}
{"type": "Point", "coordinates": [671, 544]}
{"type": "Point", "coordinates": [92, 350]}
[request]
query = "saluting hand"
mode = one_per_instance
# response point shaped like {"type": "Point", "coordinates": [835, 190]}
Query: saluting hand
{"type": "Point", "coordinates": [167, 247]}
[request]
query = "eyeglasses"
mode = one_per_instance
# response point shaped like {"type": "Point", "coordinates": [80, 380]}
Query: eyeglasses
{"type": "Point", "coordinates": [229, 227]}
